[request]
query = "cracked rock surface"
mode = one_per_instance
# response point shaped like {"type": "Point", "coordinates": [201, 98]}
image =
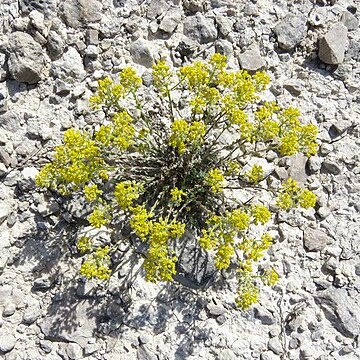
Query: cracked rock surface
{"type": "Point", "coordinates": [51, 55]}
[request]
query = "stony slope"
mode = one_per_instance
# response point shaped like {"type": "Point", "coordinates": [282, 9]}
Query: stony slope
{"type": "Point", "coordinates": [51, 54]}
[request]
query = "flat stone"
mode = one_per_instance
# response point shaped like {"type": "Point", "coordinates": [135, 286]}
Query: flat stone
{"type": "Point", "coordinates": [26, 61]}
{"type": "Point", "coordinates": [275, 346]}
{"type": "Point", "coordinates": [156, 8]}
{"type": "Point", "coordinates": [315, 239]}
{"type": "Point", "coordinates": [74, 351]}
{"type": "Point", "coordinates": [333, 45]}
{"type": "Point", "coordinates": [46, 7]}
{"type": "Point", "coordinates": [141, 53]}
{"type": "Point", "coordinates": [5, 210]}
{"type": "Point", "coordinates": [171, 20]}
{"type": "Point", "coordinates": [291, 31]}
{"type": "Point", "coordinates": [251, 60]}
{"type": "Point", "coordinates": [340, 310]}
{"type": "Point", "coordinates": [7, 342]}
{"type": "Point", "coordinates": [55, 45]}
{"type": "Point", "coordinates": [297, 166]}
{"type": "Point", "coordinates": [264, 315]}
{"type": "Point", "coordinates": [216, 310]}
{"type": "Point", "coordinates": [82, 326]}
{"type": "Point", "coordinates": [143, 353]}
{"type": "Point", "coordinates": [200, 29]}
{"type": "Point", "coordinates": [77, 13]}
{"type": "Point", "coordinates": [69, 67]}
{"type": "Point", "coordinates": [349, 20]}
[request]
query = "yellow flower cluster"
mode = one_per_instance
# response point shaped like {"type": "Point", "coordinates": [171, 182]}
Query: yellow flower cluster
{"type": "Point", "coordinates": [260, 213]}
{"type": "Point", "coordinates": [255, 174]}
{"type": "Point", "coordinates": [92, 192]}
{"type": "Point", "coordinates": [126, 192]}
{"type": "Point", "coordinates": [248, 295]}
{"type": "Point", "coordinates": [139, 221]}
{"type": "Point", "coordinates": [216, 180]}
{"type": "Point", "coordinates": [177, 195]}
{"type": "Point", "coordinates": [84, 244]}
{"type": "Point", "coordinates": [161, 76]}
{"type": "Point", "coordinates": [120, 133]}
{"type": "Point", "coordinates": [184, 134]}
{"type": "Point", "coordinates": [99, 217]}
{"type": "Point", "coordinates": [75, 163]}
{"type": "Point", "coordinates": [159, 264]}
{"type": "Point", "coordinates": [292, 195]}
{"type": "Point", "coordinates": [97, 264]}
{"type": "Point", "coordinates": [270, 277]}
{"type": "Point", "coordinates": [109, 93]}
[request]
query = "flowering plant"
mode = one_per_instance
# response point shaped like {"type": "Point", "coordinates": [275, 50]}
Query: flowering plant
{"type": "Point", "coordinates": [175, 164]}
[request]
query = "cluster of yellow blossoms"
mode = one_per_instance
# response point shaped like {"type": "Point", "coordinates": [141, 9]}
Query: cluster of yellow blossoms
{"type": "Point", "coordinates": [164, 177]}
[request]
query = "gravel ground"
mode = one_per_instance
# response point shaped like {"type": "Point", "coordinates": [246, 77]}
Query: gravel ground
{"type": "Point", "coordinates": [51, 54]}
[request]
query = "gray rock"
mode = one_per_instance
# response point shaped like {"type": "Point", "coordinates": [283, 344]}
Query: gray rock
{"type": "Point", "coordinates": [330, 167]}
{"type": "Point", "coordinates": [275, 346]}
{"type": "Point", "coordinates": [199, 28]}
{"type": "Point", "coordinates": [37, 20]}
{"type": "Point", "coordinates": [340, 310]}
{"type": "Point", "coordinates": [26, 61]}
{"type": "Point", "coordinates": [74, 351]}
{"type": "Point", "coordinates": [46, 7]}
{"type": "Point", "coordinates": [171, 20]}
{"type": "Point", "coordinates": [54, 327]}
{"type": "Point", "coordinates": [314, 164]}
{"type": "Point", "coordinates": [9, 309]}
{"type": "Point", "coordinates": [55, 45]}
{"type": "Point", "coordinates": [294, 87]}
{"type": "Point", "coordinates": [156, 8]}
{"type": "Point", "coordinates": [42, 283]}
{"type": "Point", "coordinates": [31, 314]}
{"type": "Point", "coordinates": [216, 310]}
{"type": "Point", "coordinates": [69, 67]}
{"type": "Point", "coordinates": [291, 31]}
{"type": "Point", "coordinates": [5, 210]}
{"type": "Point", "coordinates": [143, 353]}
{"type": "Point", "coordinates": [315, 239]}
{"type": "Point", "coordinates": [224, 47]}
{"type": "Point", "coordinates": [349, 20]}
{"type": "Point", "coordinates": [264, 315]}
{"type": "Point", "coordinates": [91, 349]}
{"type": "Point", "coordinates": [92, 37]}
{"type": "Point", "coordinates": [141, 53]}
{"type": "Point", "coordinates": [194, 5]}
{"type": "Point", "coordinates": [296, 169]}
{"type": "Point", "coordinates": [225, 25]}
{"type": "Point", "coordinates": [77, 13]}
{"type": "Point", "coordinates": [251, 60]}
{"type": "Point", "coordinates": [318, 16]}
{"type": "Point", "coordinates": [333, 45]}
{"type": "Point", "coordinates": [7, 342]}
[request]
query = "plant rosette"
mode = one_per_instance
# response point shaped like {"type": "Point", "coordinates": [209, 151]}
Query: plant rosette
{"type": "Point", "coordinates": [159, 167]}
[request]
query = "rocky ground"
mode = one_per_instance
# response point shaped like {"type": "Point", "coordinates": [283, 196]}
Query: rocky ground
{"type": "Point", "coordinates": [51, 54]}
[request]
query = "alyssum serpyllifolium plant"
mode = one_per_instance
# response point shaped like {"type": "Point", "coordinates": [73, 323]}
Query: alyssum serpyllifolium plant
{"type": "Point", "coordinates": [164, 168]}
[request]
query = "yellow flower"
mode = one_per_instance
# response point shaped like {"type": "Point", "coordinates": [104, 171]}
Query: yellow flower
{"type": "Point", "coordinates": [177, 194]}
{"type": "Point", "coordinates": [216, 180]}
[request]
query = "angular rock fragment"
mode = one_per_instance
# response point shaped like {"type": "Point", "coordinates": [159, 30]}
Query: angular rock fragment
{"type": "Point", "coordinates": [141, 53]}
{"type": "Point", "coordinates": [171, 20]}
{"type": "Point", "coordinates": [333, 45]}
{"type": "Point", "coordinates": [291, 31]}
{"type": "Point", "coordinates": [26, 61]}
{"type": "Point", "coordinates": [340, 310]}
{"type": "Point", "coordinates": [251, 60]}
{"type": "Point", "coordinates": [69, 67]}
{"type": "Point", "coordinates": [200, 28]}
{"type": "Point", "coordinates": [349, 20]}
{"type": "Point", "coordinates": [7, 342]}
{"type": "Point", "coordinates": [46, 7]}
{"type": "Point", "coordinates": [77, 13]}
{"type": "Point", "coordinates": [315, 239]}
